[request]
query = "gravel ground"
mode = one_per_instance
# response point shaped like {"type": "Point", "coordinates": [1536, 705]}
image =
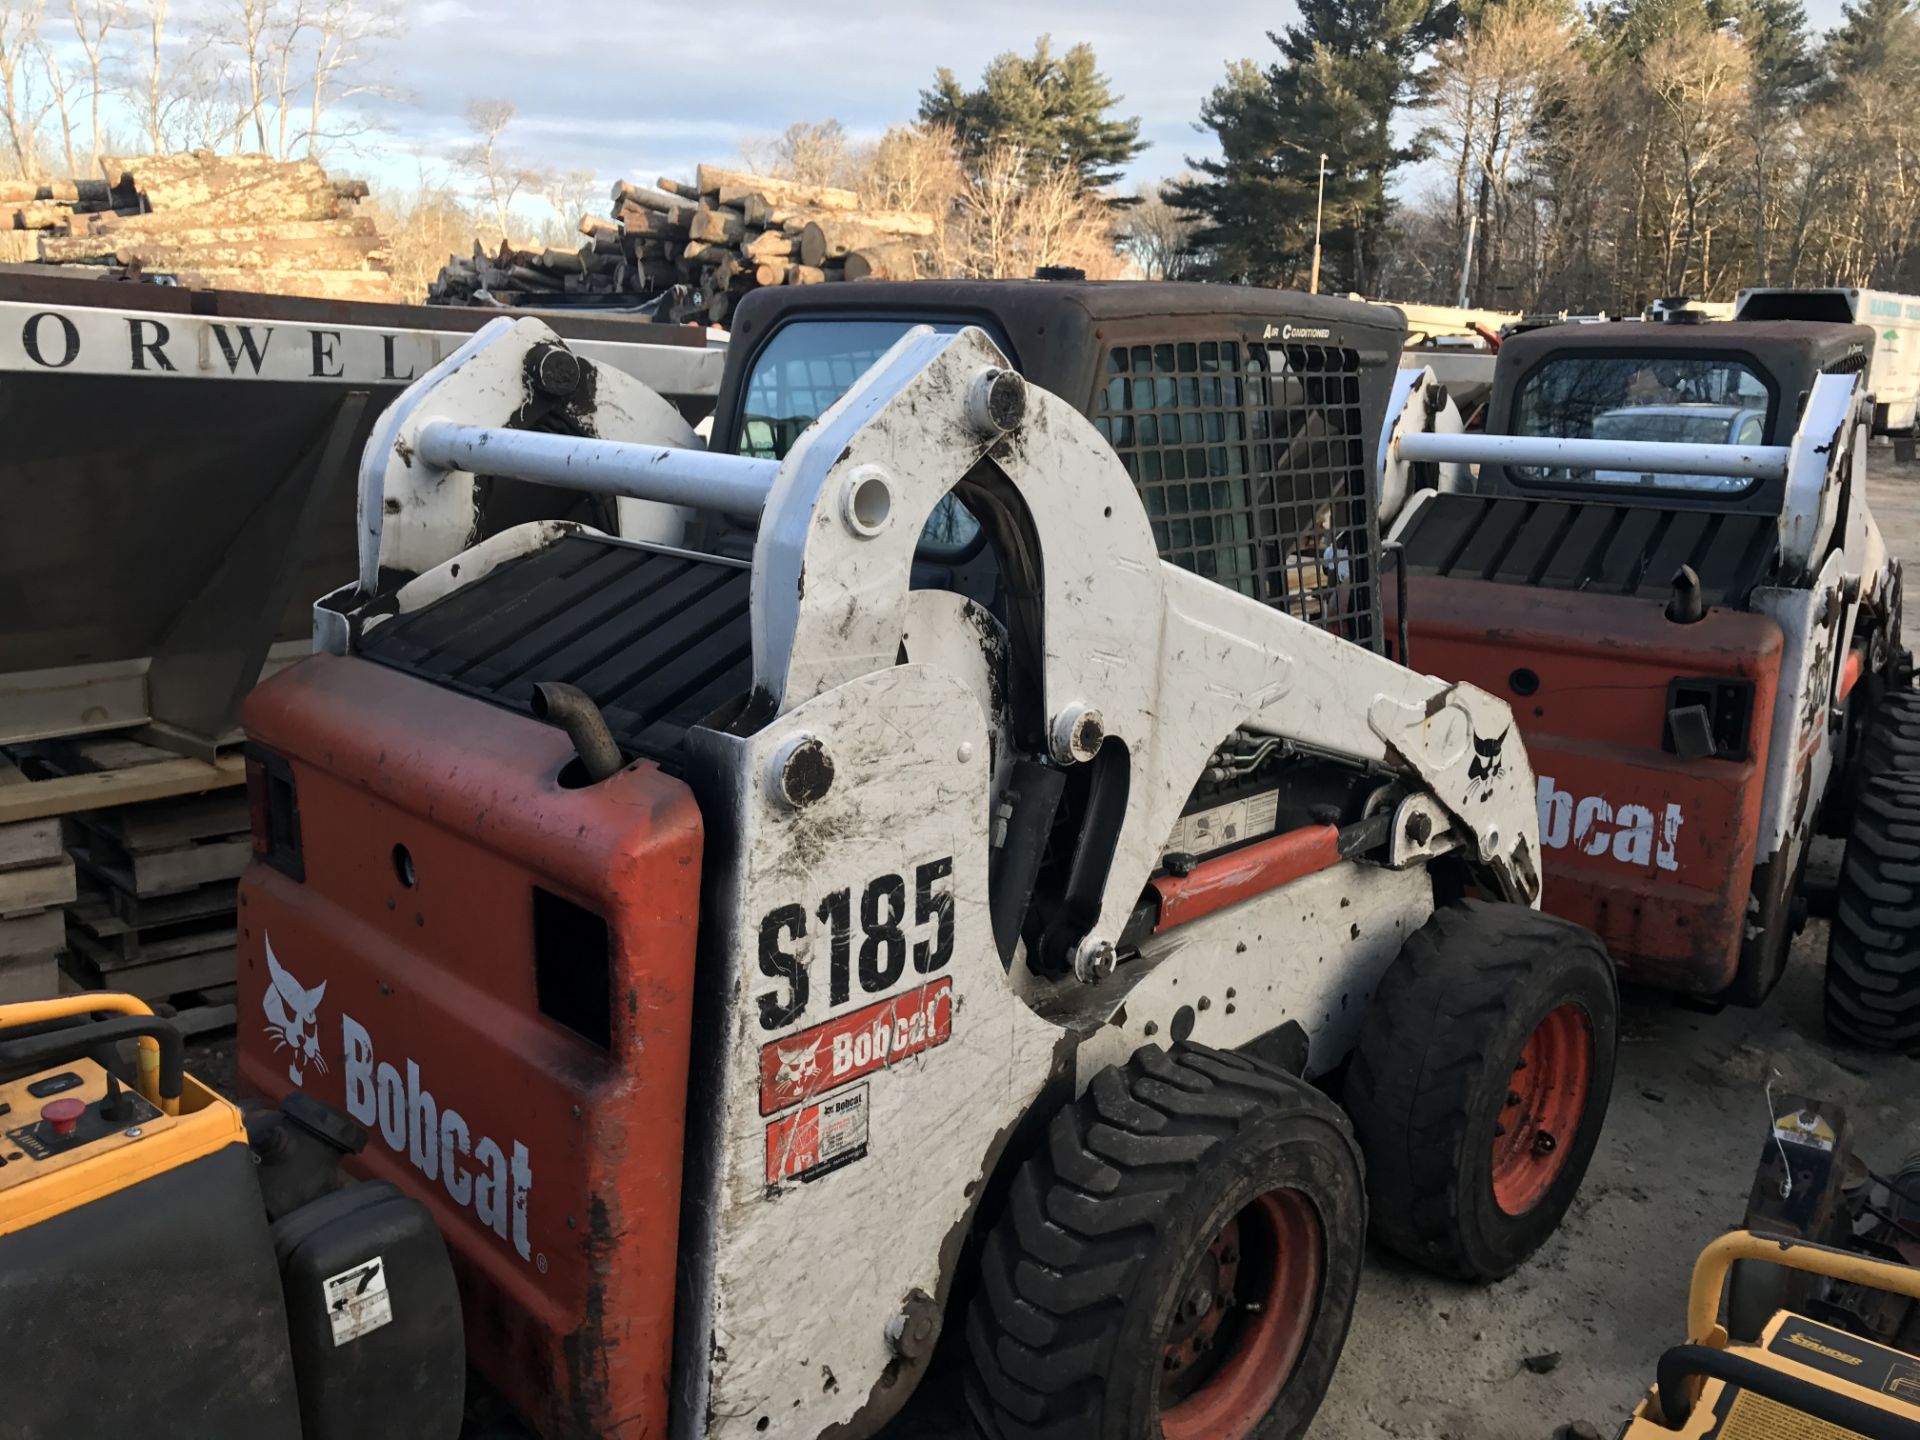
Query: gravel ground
{"type": "Point", "coordinates": [1432, 1360]}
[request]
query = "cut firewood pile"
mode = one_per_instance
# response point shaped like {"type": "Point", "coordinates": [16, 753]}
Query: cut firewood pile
{"type": "Point", "coordinates": [712, 241]}
{"type": "Point", "coordinates": [211, 222]}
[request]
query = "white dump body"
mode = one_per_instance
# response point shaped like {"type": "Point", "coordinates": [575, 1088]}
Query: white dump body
{"type": "Point", "coordinates": [1894, 369]}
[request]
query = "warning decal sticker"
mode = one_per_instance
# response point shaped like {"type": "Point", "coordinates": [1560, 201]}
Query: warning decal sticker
{"type": "Point", "coordinates": [357, 1300]}
{"type": "Point", "coordinates": [1754, 1417]}
{"type": "Point", "coordinates": [818, 1139]}
{"type": "Point", "coordinates": [1805, 1127]}
{"type": "Point", "coordinates": [837, 1052]}
{"type": "Point", "coordinates": [1206, 831]}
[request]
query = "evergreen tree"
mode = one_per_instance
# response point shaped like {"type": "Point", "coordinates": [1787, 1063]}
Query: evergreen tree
{"type": "Point", "coordinates": [1343, 71]}
{"type": "Point", "coordinates": [1775, 32]}
{"type": "Point", "coordinates": [1875, 36]}
{"type": "Point", "coordinates": [1052, 107]}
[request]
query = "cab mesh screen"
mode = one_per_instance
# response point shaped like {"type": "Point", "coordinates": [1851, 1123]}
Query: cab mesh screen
{"type": "Point", "coordinates": [1250, 460]}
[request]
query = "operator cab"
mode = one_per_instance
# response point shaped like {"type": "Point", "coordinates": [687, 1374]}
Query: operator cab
{"type": "Point", "coordinates": [1236, 412]}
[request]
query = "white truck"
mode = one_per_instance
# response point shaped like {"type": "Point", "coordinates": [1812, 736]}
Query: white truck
{"type": "Point", "coordinates": [1893, 369]}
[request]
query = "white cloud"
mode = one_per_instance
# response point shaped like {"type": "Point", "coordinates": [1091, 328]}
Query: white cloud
{"type": "Point", "coordinates": [636, 90]}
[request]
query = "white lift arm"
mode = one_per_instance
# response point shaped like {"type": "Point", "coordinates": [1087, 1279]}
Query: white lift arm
{"type": "Point", "coordinates": [1137, 651]}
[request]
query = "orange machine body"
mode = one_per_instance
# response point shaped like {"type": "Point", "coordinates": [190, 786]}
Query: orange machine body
{"type": "Point", "coordinates": [494, 974]}
{"type": "Point", "coordinates": [1653, 852]}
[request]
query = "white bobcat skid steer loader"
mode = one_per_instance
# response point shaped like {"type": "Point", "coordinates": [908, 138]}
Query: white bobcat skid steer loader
{"type": "Point", "coordinates": [854, 952]}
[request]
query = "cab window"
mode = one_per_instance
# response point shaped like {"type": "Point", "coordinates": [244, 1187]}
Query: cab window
{"type": "Point", "coordinates": [1686, 400]}
{"type": "Point", "coordinates": [798, 375]}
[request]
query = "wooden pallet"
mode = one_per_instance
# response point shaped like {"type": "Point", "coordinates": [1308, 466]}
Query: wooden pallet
{"type": "Point", "coordinates": [38, 887]}
{"type": "Point", "coordinates": [172, 871]}
{"type": "Point", "coordinates": [97, 902]}
{"type": "Point", "coordinates": [66, 777]}
{"type": "Point", "coordinates": [194, 1012]}
{"type": "Point", "coordinates": [27, 936]}
{"type": "Point", "coordinates": [98, 968]}
{"type": "Point", "coordinates": [30, 977]}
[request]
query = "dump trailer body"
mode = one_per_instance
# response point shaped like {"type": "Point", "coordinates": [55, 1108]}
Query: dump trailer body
{"type": "Point", "coordinates": [178, 482]}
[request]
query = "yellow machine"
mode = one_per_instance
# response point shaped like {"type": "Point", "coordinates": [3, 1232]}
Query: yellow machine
{"type": "Point", "coordinates": [1800, 1379]}
{"type": "Point", "coordinates": [143, 1215]}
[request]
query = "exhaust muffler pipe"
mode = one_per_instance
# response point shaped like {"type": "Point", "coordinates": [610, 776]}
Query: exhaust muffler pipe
{"type": "Point", "coordinates": [572, 710]}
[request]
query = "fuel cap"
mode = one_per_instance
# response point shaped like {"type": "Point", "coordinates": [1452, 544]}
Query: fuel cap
{"type": "Point", "coordinates": [63, 1115]}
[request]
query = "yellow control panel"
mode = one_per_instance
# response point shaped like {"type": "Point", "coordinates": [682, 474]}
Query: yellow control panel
{"type": "Point", "coordinates": [61, 1117]}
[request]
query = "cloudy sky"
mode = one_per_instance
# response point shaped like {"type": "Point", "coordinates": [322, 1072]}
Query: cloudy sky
{"type": "Point", "coordinates": [637, 88]}
{"type": "Point", "coordinates": [634, 90]}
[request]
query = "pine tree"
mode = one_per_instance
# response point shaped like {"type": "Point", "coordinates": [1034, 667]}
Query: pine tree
{"type": "Point", "coordinates": [1775, 31]}
{"type": "Point", "coordinates": [1344, 70]}
{"type": "Point", "coordinates": [1880, 36]}
{"type": "Point", "coordinates": [1052, 107]}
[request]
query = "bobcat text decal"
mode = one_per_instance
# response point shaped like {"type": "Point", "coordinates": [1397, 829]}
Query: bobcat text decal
{"type": "Point", "coordinates": [475, 1170]}
{"type": "Point", "coordinates": [1631, 834]}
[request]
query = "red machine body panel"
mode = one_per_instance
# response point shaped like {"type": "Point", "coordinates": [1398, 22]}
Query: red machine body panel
{"type": "Point", "coordinates": [1652, 852]}
{"type": "Point", "coordinates": [397, 980]}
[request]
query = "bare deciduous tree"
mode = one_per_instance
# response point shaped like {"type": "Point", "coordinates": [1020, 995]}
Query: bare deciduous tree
{"type": "Point", "coordinates": [153, 71]}
{"type": "Point", "coordinates": [1157, 237]}
{"type": "Point", "coordinates": [569, 194]}
{"type": "Point", "coordinates": [94, 21]}
{"type": "Point", "coordinates": [1012, 222]}
{"type": "Point", "coordinates": [423, 229]}
{"type": "Point", "coordinates": [345, 33]}
{"type": "Point", "coordinates": [813, 152]}
{"type": "Point", "coordinates": [1490, 88]}
{"type": "Point", "coordinates": [20, 107]}
{"type": "Point", "coordinates": [500, 181]}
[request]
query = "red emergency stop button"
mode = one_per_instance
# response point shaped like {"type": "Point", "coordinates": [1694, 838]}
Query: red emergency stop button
{"type": "Point", "coordinates": [63, 1115]}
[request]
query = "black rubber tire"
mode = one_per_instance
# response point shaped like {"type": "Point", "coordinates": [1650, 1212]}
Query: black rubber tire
{"type": "Point", "coordinates": [1890, 744]}
{"type": "Point", "coordinates": [1078, 1278]}
{"type": "Point", "coordinates": [1430, 1077]}
{"type": "Point", "coordinates": [1873, 947]}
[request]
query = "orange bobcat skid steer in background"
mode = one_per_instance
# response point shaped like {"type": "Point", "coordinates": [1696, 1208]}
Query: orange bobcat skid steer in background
{"type": "Point", "coordinates": [874, 892]}
{"type": "Point", "coordinates": [1666, 563]}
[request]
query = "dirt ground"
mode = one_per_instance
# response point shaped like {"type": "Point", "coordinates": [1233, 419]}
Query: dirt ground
{"type": "Point", "coordinates": [1433, 1360]}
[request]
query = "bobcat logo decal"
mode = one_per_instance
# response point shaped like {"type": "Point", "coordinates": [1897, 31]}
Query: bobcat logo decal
{"type": "Point", "coordinates": [1486, 765]}
{"type": "Point", "coordinates": [798, 1068]}
{"type": "Point", "coordinates": [293, 1018]}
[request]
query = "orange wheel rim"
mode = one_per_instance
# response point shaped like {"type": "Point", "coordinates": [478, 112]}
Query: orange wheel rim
{"type": "Point", "coordinates": [1545, 1102]}
{"type": "Point", "coordinates": [1243, 1318]}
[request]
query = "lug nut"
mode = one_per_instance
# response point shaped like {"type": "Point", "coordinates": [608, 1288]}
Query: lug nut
{"type": "Point", "coordinates": [1513, 1097]}
{"type": "Point", "coordinates": [1544, 1143]}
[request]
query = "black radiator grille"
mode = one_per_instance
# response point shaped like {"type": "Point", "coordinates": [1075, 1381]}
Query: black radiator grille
{"type": "Point", "coordinates": [659, 640]}
{"type": "Point", "coordinates": [1251, 463]}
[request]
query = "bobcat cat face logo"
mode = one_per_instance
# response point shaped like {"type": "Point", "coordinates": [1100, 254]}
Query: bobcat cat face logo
{"type": "Point", "coordinates": [1486, 765]}
{"type": "Point", "coordinates": [293, 1018]}
{"type": "Point", "coordinates": [798, 1068]}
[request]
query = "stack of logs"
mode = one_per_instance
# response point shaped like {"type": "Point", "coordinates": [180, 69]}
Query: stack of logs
{"type": "Point", "coordinates": [233, 222]}
{"type": "Point", "coordinates": [716, 239]}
